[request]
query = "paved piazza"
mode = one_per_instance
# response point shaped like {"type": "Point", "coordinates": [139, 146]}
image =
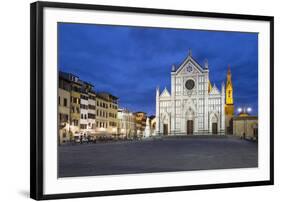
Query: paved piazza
{"type": "Point", "coordinates": [158, 155]}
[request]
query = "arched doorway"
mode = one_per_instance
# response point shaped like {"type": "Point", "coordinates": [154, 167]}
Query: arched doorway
{"type": "Point", "coordinates": [214, 125]}
{"type": "Point", "coordinates": [165, 126]}
{"type": "Point", "coordinates": [189, 127]}
{"type": "Point", "coordinates": [189, 121]}
{"type": "Point", "coordinates": [165, 129]}
{"type": "Point", "coordinates": [255, 131]}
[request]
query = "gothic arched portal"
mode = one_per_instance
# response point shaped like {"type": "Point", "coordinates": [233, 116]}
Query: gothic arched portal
{"type": "Point", "coordinates": [189, 121]}
{"type": "Point", "coordinates": [214, 123]}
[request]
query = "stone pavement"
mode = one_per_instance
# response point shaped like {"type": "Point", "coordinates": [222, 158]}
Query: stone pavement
{"type": "Point", "coordinates": [157, 155]}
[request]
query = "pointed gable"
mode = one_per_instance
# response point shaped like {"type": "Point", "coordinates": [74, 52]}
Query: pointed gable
{"type": "Point", "coordinates": [165, 93]}
{"type": "Point", "coordinates": [189, 61]}
{"type": "Point", "coordinates": [215, 90]}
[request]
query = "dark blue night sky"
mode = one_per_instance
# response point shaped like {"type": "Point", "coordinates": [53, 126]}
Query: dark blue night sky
{"type": "Point", "coordinates": [130, 62]}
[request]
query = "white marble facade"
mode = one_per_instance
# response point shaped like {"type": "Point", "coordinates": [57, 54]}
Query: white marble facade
{"type": "Point", "coordinates": [192, 107]}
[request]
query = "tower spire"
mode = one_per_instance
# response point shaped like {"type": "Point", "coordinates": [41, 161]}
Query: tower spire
{"type": "Point", "coordinates": [229, 88]}
{"type": "Point", "coordinates": [189, 52]}
{"type": "Point", "coordinates": [228, 77]}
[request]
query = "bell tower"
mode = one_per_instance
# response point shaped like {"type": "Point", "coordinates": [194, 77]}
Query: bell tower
{"type": "Point", "coordinates": [229, 88]}
{"type": "Point", "coordinates": [229, 103]}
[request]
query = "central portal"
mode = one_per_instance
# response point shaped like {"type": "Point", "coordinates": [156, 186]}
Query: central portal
{"type": "Point", "coordinates": [189, 127]}
{"type": "Point", "coordinates": [215, 128]}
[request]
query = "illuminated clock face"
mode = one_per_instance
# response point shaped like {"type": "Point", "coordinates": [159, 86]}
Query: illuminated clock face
{"type": "Point", "coordinates": [189, 68]}
{"type": "Point", "coordinates": [189, 84]}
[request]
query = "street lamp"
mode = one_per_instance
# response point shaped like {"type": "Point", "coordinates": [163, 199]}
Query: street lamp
{"type": "Point", "coordinates": [244, 110]}
{"type": "Point", "coordinates": [239, 109]}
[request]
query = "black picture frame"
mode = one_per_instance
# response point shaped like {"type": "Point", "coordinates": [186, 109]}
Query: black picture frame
{"type": "Point", "coordinates": [36, 98]}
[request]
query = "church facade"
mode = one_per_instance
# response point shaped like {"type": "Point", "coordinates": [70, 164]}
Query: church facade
{"type": "Point", "coordinates": [193, 106]}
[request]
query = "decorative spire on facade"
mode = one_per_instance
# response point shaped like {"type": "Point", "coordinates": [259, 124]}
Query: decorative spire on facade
{"type": "Point", "coordinates": [173, 68]}
{"type": "Point", "coordinates": [206, 64]}
{"type": "Point", "coordinates": [223, 88]}
{"type": "Point", "coordinates": [157, 91]}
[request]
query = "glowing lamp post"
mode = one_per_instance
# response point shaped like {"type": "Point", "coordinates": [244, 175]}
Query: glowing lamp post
{"type": "Point", "coordinates": [244, 110]}
{"type": "Point", "coordinates": [249, 109]}
{"type": "Point", "coordinates": [239, 110]}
